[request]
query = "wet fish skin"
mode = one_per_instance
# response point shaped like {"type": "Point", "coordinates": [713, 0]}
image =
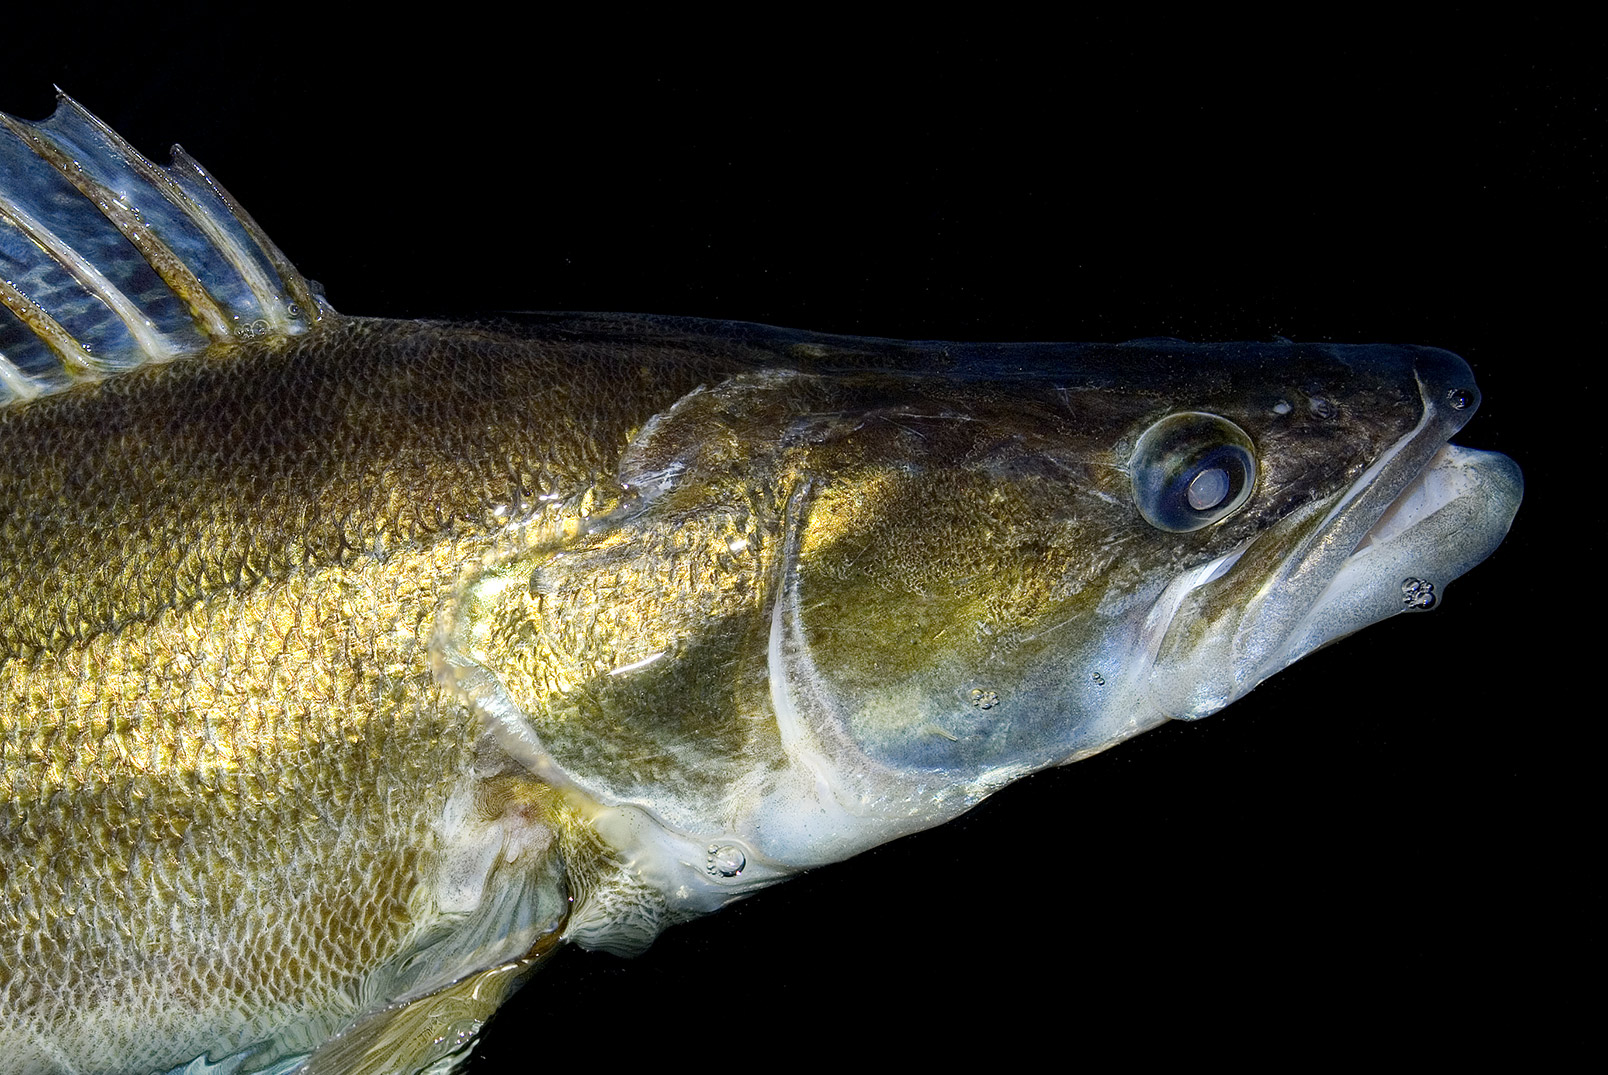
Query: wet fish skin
{"type": "Point", "coordinates": [213, 603]}
{"type": "Point", "coordinates": [338, 494]}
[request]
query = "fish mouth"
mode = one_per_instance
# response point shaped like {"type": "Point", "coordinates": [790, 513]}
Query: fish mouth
{"type": "Point", "coordinates": [1450, 516]}
{"type": "Point", "coordinates": [1421, 515]}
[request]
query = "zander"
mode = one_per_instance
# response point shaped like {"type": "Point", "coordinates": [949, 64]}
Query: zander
{"type": "Point", "coordinates": [348, 667]}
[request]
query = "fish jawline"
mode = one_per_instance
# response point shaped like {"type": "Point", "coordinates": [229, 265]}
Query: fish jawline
{"type": "Point", "coordinates": [1424, 512]}
{"type": "Point", "coordinates": [1452, 515]}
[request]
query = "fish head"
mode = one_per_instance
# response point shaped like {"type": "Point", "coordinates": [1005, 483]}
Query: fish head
{"type": "Point", "coordinates": [848, 600]}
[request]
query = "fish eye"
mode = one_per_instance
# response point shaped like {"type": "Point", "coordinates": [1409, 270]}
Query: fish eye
{"type": "Point", "coordinates": [1190, 470]}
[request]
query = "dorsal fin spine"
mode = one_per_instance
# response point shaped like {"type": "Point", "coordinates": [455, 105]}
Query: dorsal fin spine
{"type": "Point", "coordinates": [109, 261]}
{"type": "Point", "coordinates": [80, 364]}
{"type": "Point", "coordinates": [151, 341]}
{"type": "Point", "coordinates": [255, 279]}
{"type": "Point", "coordinates": [20, 385]}
{"type": "Point", "coordinates": [174, 273]}
{"type": "Point", "coordinates": [300, 292]}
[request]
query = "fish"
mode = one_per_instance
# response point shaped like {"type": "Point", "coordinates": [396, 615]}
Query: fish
{"type": "Point", "coordinates": [354, 666]}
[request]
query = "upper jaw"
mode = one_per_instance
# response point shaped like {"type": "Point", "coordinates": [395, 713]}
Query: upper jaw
{"type": "Point", "coordinates": [1452, 515]}
{"type": "Point", "coordinates": [1424, 511]}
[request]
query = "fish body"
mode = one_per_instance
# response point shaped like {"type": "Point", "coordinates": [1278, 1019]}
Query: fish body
{"type": "Point", "coordinates": [348, 666]}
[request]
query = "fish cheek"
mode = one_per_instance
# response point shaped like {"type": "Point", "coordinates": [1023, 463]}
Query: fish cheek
{"type": "Point", "coordinates": [919, 606]}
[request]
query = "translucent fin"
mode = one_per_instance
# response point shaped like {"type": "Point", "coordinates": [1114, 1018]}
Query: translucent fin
{"type": "Point", "coordinates": [432, 1035]}
{"type": "Point", "coordinates": [424, 1011]}
{"type": "Point", "coordinates": [108, 261]}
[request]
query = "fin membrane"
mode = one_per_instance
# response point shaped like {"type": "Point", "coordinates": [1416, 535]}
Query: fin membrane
{"type": "Point", "coordinates": [433, 1034]}
{"type": "Point", "coordinates": [108, 261]}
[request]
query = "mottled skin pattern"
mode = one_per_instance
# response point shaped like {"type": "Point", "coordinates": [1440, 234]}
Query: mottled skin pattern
{"type": "Point", "coordinates": [221, 745]}
{"type": "Point", "coordinates": [226, 744]}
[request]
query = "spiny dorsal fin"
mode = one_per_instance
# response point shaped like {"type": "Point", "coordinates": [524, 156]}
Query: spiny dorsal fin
{"type": "Point", "coordinates": [108, 261]}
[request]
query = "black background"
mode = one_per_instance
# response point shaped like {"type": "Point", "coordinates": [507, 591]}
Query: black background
{"type": "Point", "coordinates": [1383, 840]}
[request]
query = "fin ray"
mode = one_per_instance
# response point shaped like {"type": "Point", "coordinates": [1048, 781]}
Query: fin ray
{"type": "Point", "coordinates": [148, 338]}
{"type": "Point", "coordinates": [192, 178]}
{"type": "Point", "coordinates": [109, 261]}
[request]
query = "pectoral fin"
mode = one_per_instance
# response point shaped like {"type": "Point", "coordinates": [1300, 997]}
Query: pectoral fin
{"type": "Point", "coordinates": [432, 1035]}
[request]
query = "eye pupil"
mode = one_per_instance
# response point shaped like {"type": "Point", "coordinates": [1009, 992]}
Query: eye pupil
{"type": "Point", "coordinates": [1191, 469]}
{"type": "Point", "coordinates": [1208, 489]}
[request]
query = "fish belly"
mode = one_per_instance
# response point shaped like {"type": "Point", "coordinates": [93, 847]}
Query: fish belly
{"type": "Point", "coordinates": [222, 820]}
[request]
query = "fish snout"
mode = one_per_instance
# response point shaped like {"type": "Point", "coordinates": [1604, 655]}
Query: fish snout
{"type": "Point", "coordinates": [1447, 384]}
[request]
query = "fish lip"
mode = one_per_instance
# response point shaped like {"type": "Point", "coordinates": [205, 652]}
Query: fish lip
{"type": "Point", "coordinates": [1398, 514]}
{"type": "Point", "coordinates": [1449, 517]}
{"type": "Point", "coordinates": [1206, 659]}
{"type": "Point", "coordinates": [1448, 398]}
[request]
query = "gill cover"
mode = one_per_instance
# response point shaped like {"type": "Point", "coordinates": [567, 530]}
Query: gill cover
{"type": "Point", "coordinates": [843, 597]}
{"type": "Point", "coordinates": [820, 613]}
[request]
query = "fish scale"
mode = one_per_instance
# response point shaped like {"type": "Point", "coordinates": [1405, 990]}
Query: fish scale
{"type": "Point", "coordinates": [348, 667]}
